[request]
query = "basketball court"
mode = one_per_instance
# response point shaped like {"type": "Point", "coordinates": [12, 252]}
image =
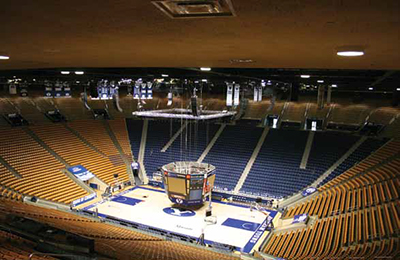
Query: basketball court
{"type": "Point", "coordinates": [150, 209]}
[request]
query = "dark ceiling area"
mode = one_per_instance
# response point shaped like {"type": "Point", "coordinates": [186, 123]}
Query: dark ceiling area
{"type": "Point", "coordinates": [270, 33]}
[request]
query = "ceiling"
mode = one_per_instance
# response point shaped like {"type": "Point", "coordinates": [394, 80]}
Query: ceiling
{"type": "Point", "coordinates": [134, 33]}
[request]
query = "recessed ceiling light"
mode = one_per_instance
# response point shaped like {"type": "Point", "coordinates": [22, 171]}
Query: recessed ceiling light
{"type": "Point", "coordinates": [334, 86]}
{"type": "Point", "coordinates": [305, 76]}
{"type": "Point", "coordinates": [241, 61]}
{"type": "Point", "coordinates": [205, 69]}
{"type": "Point", "coordinates": [320, 81]}
{"type": "Point", "coordinates": [79, 72]}
{"type": "Point", "coordinates": [4, 57]}
{"type": "Point", "coordinates": [352, 53]}
{"type": "Point", "coordinates": [164, 75]}
{"type": "Point", "coordinates": [65, 72]}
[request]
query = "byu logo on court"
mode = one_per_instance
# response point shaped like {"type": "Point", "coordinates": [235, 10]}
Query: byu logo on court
{"type": "Point", "coordinates": [179, 212]}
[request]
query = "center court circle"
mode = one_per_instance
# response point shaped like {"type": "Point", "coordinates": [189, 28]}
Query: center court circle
{"type": "Point", "coordinates": [179, 212]}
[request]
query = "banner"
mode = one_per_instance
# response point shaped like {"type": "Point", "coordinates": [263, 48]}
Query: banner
{"type": "Point", "coordinates": [81, 172]}
{"type": "Point", "coordinates": [136, 91]}
{"type": "Point", "coordinates": [48, 92]}
{"type": "Point", "coordinates": [24, 91]}
{"type": "Point", "coordinates": [302, 218]}
{"type": "Point", "coordinates": [229, 95]}
{"type": "Point", "coordinates": [259, 94]}
{"type": "Point", "coordinates": [149, 90]}
{"type": "Point", "coordinates": [135, 166]}
{"type": "Point", "coordinates": [255, 99]}
{"type": "Point", "coordinates": [143, 91]}
{"type": "Point", "coordinates": [84, 199]}
{"type": "Point", "coordinates": [236, 95]}
{"type": "Point", "coordinates": [58, 91]}
{"type": "Point", "coordinates": [169, 98]}
{"type": "Point", "coordinates": [308, 191]}
{"type": "Point", "coordinates": [12, 89]}
{"type": "Point", "coordinates": [67, 91]}
{"type": "Point", "coordinates": [103, 94]}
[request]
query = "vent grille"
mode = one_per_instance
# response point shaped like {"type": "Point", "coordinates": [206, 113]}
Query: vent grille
{"type": "Point", "coordinates": [195, 8]}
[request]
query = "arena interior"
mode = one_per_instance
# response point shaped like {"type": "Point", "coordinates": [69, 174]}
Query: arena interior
{"type": "Point", "coordinates": [200, 129]}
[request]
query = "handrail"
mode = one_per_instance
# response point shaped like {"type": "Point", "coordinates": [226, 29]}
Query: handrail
{"type": "Point", "coordinates": [47, 254]}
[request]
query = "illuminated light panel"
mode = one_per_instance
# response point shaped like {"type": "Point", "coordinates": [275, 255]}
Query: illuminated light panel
{"type": "Point", "coordinates": [350, 53]}
{"type": "Point", "coordinates": [320, 81]}
{"type": "Point", "coordinates": [65, 72]}
{"type": "Point", "coordinates": [205, 69]}
{"type": "Point", "coordinates": [305, 76]}
{"type": "Point", "coordinates": [79, 72]}
{"type": "Point", "coordinates": [4, 57]}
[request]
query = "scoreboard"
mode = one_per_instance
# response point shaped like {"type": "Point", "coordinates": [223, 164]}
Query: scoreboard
{"type": "Point", "coordinates": [188, 183]}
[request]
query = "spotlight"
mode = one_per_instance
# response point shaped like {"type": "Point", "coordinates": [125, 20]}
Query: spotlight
{"type": "Point", "coordinates": [350, 53]}
{"type": "Point", "coordinates": [205, 69]}
{"type": "Point", "coordinates": [79, 72]}
{"type": "Point", "coordinates": [65, 72]}
{"type": "Point", "coordinates": [4, 57]}
{"type": "Point", "coordinates": [305, 76]}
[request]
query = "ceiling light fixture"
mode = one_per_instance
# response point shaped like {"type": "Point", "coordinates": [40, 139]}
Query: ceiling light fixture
{"type": "Point", "coordinates": [164, 75]}
{"type": "Point", "coordinates": [205, 69]}
{"type": "Point", "coordinates": [398, 89]}
{"type": "Point", "coordinates": [65, 72]}
{"type": "Point", "coordinates": [4, 57]}
{"type": "Point", "coordinates": [350, 53]}
{"type": "Point", "coordinates": [334, 86]}
{"type": "Point", "coordinates": [305, 76]}
{"type": "Point", "coordinates": [320, 81]}
{"type": "Point", "coordinates": [371, 88]}
{"type": "Point", "coordinates": [241, 61]}
{"type": "Point", "coordinates": [79, 72]}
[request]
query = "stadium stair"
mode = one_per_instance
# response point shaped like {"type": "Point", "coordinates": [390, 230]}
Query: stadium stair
{"type": "Point", "coordinates": [119, 148]}
{"type": "Point", "coordinates": [231, 153]}
{"type": "Point", "coordinates": [386, 159]}
{"type": "Point", "coordinates": [211, 144]}
{"type": "Point", "coordinates": [251, 160]}
{"type": "Point", "coordinates": [340, 161]}
{"type": "Point", "coordinates": [173, 138]}
{"type": "Point", "coordinates": [82, 184]}
{"type": "Point", "coordinates": [142, 172]}
{"type": "Point", "coordinates": [392, 129]}
{"type": "Point", "coordinates": [12, 104]}
{"type": "Point", "coordinates": [80, 137]}
{"type": "Point", "coordinates": [10, 168]}
{"type": "Point", "coordinates": [45, 146]}
{"type": "Point", "coordinates": [307, 150]}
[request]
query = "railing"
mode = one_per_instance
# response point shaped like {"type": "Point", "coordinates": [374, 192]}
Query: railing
{"type": "Point", "coordinates": [48, 254]}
